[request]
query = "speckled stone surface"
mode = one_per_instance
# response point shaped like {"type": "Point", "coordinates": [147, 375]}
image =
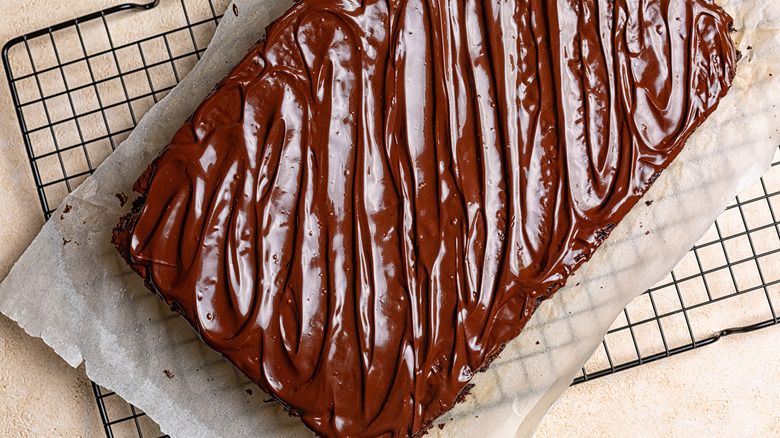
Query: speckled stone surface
{"type": "Point", "coordinates": [726, 389]}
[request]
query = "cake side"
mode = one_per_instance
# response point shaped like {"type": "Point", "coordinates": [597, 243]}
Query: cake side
{"type": "Point", "coordinates": [379, 196]}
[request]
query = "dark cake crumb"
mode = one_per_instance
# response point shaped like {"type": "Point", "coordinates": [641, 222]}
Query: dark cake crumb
{"type": "Point", "coordinates": [654, 177]}
{"type": "Point", "coordinates": [168, 374]}
{"type": "Point", "coordinates": [249, 391]}
{"type": "Point", "coordinates": [648, 203]}
{"type": "Point", "coordinates": [603, 233]}
{"type": "Point", "coordinates": [65, 211]}
{"type": "Point", "coordinates": [122, 198]}
{"type": "Point", "coordinates": [463, 393]}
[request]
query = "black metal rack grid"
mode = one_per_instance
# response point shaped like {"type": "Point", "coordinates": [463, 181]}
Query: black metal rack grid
{"type": "Point", "coordinates": [75, 88]}
{"type": "Point", "coordinates": [737, 259]}
{"type": "Point", "coordinates": [77, 100]}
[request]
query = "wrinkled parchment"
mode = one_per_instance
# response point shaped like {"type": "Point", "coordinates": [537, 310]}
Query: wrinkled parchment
{"type": "Point", "coordinates": [72, 289]}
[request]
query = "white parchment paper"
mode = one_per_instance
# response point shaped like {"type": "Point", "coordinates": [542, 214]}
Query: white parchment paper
{"type": "Point", "coordinates": [72, 289]}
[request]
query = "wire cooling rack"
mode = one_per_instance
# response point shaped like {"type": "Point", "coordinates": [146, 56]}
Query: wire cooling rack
{"type": "Point", "coordinates": [81, 86]}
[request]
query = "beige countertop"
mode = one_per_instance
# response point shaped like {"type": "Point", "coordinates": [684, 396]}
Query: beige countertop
{"type": "Point", "coordinates": [730, 388]}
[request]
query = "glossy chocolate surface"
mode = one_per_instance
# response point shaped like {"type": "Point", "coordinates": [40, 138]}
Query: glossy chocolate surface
{"type": "Point", "coordinates": [381, 193]}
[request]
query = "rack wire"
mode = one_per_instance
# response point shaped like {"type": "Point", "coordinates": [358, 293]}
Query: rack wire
{"type": "Point", "coordinates": [81, 86]}
{"type": "Point", "coordinates": [729, 282]}
{"type": "Point", "coordinates": [79, 89]}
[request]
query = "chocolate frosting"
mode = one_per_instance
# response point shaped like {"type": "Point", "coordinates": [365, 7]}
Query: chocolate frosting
{"type": "Point", "coordinates": [381, 193]}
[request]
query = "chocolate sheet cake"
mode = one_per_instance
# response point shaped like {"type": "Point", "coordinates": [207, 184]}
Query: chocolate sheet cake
{"type": "Point", "coordinates": [380, 194]}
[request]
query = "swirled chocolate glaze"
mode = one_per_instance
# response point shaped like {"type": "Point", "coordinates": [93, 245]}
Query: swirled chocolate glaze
{"type": "Point", "coordinates": [382, 192]}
